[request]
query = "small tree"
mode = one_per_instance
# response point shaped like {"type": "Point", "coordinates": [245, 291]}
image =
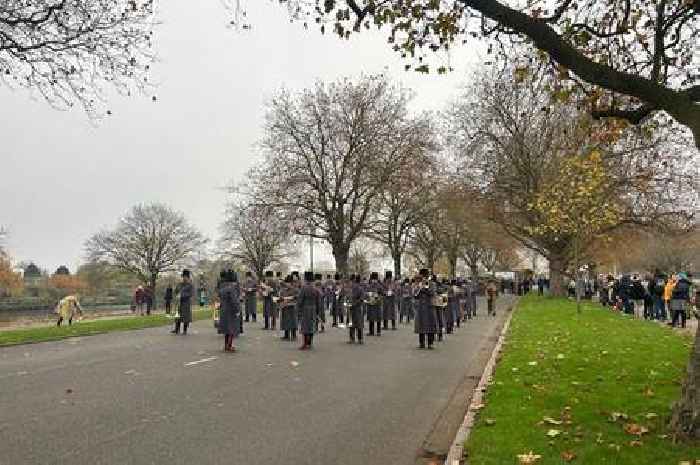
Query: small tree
{"type": "Point", "coordinates": [577, 207]}
{"type": "Point", "coordinates": [149, 240]}
{"type": "Point", "coordinates": [257, 236]}
{"type": "Point", "coordinates": [11, 283]}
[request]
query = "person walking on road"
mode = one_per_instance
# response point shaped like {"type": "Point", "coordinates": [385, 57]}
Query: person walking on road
{"type": "Point", "coordinates": [184, 291]}
{"type": "Point", "coordinates": [230, 308]}
{"type": "Point", "coordinates": [491, 294]}
{"type": "Point", "coordinates": [355, 317]}
{"type": "Point", "coordinates": [374, 304]}
{"type": "Point", "coordinates": [309, 306]}
{"type": "Point", "coordinates": [425, 324]}
{"type": "Point", "coordinates": [251, 297]}
{"type": "Point", "coordinates": [288, 312]}
{"type": "Point", "coordinates": [389, 291]}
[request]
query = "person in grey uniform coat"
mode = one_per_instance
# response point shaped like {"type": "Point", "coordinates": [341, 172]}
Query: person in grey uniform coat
{"type": "Point", "coordinates": [425, 324]}
{"type": "Point", "coordinates": [288, 312]}
{"type": "Point", "coordinates": [309, 306]}
{"type": "Point", "coordinates": [269, 294]}
{"type": "Point", "coordinates": [321, 320]}
{"type": "Point", "coordinates": [373, 293]}
{"type": "Point", "coordinates": [406, 303]}
{"type": "Point", "coordinates": [452, 307]}
{"type": "Point", "coordinates": [230, 308]}
{"type": "Point", "coordinates": [356, 317]}
{"type": "Point", "coordinates": [184, 292]}
{"type": "Point", "coordinates": [389, 292]}
{"type": "Point", "coordinates": [251, 297]}
{"type": "Point", "coordinates": [440, 290]}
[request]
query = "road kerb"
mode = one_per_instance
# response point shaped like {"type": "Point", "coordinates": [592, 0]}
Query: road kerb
{"type": "Point", "coordinates": [456, 452]}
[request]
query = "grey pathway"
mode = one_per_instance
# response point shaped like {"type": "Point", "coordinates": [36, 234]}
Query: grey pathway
{"type": "Point", "coordinates": [138, 398]}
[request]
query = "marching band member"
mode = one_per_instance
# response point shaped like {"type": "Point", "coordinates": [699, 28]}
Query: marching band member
{"type": "Point", "coordinates": [440, 290]}
{"type": "Point", "coordinates": [288, 313]}
{"type": "Point", "coordinates": [426, 317]}
{"type": "Point", "coordinates": [355, 317]}
{"type": "Point", "coordinates": [230, 308]}
{"type": "Point", "coordinates": [269, 294]}
{"type": "Point", "coordinates": [374, 304]}
{"type": "Point", "coordinates": [184, 291]}
{"type": "Point", "coordinates": [251, 297]}
{"type": "Point", "coordinates": [389, 292]}
{"type": "Point", "coordinates": [321, 318]}
{"type": "Point", "coordinates": [452, 307]}
{"type": "Point", "coordinates": [335, 304]}
{"type": "Point", "coordinates": [406, 302]}
{"type": "Point", "coordinates": [309, 305]}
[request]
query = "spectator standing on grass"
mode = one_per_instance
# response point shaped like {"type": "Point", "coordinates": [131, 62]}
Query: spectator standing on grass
{"type": "Point", "coordinates": [657, 287]}
{"type": "Point", "coordinates": [168, 299]}
{"type": "Point", "coordinates": [668, 292]}
{"type": "Point", "coordinates": [139, 300]}
{"type": "Point", "coordinates": [680, 298]}
{"type": "Point", "coordinates": [637, 297]}
{"type": "Point", "coordinates": [148, 299]}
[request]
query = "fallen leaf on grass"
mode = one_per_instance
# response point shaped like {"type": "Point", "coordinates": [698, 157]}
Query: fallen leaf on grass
{"type": "Point", "coordinates": [552, 421]}
{"type": "Point", "coordinates": [635, 443]}
{"type": "Point", "coordinates": [648, 392]}
{"type": "Point", "coordinates": [553, 433]}
{"type": "Point", "coordinates": [560, 357]}
{"type": "Point", "coordinates": [532, 364]}
{"type": "Point", "coordinates": [634, 428]}
{"type": "Point", "coordinates": [651, 416]}
{"type": "Point", "coordinates": [529, 458]}
{"type": "Point", "coordinates": [615, 416]}
{"type": "Point", "coordinates": [490, 422]}
{"type": "Point", "coordinates": [568, 456]}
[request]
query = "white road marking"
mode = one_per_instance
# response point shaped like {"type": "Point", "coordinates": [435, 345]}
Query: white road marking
{"type": "Point", "coordinates": [197, 362]}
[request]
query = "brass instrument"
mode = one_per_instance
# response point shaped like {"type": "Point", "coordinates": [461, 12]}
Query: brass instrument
{"type": "Point", "coordinates": [372, 298]}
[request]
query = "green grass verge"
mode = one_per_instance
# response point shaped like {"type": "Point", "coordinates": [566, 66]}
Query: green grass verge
{"type": "Point", "coordinates": [584, 379]}
{"type": "Point", "coordinates": [91, 327]}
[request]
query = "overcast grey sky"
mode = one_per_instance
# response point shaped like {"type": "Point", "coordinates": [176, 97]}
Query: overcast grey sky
{"type": "Point", "coordinates": [64, 179]}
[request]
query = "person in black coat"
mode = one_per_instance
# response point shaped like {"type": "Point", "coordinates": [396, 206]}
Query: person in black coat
{"type": "Point", "coordinates": [426, 324]}
{"type": "Point", "coordinates": [168, 299]}
{"type": "Point", "coordinates": [230, 308]}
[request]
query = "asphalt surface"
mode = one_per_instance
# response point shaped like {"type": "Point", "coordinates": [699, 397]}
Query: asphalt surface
{"type": "Point", "coordinates": [149, 397]}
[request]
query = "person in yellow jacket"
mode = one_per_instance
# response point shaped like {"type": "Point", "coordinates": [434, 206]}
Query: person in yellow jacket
{"type": "Point", "coordinates": [67, 308]}
{"type": "Point", "coordinates": [668, 293]}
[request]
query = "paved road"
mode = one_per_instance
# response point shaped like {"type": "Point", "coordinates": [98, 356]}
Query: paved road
{"type": "Point", "coordinates": [137, 397]}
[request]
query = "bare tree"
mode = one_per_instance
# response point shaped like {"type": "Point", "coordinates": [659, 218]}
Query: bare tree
{"type": "Point", "coordinates": [149, 240]}
{"type": "Point", "coordinates": [71, 51]}
{"type": "Point", "coordinates": [257, 236]}
{"type": "Point", "coordinates": [329, 153]}
{"type": "Point", "coordinates": [407, 198]}
{"type": "Point", "coordinates": [424, 244]}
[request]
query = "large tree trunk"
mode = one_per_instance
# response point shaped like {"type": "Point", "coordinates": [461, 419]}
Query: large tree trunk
{"type": "Point", "coordinates": [685, 418]}
{"type": "Point", "coordinates": [152, 287]}
{"type": "Point", "coordinates": [453, 267]}
{"type": "Point", "coordinates": [397, 263]}
{"type": "Point", "coordinates": [556, 276]}
{"type": "Point", "coordinates": [474, 270]}
{"type": "Point", "coordinates": [341, 254]}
